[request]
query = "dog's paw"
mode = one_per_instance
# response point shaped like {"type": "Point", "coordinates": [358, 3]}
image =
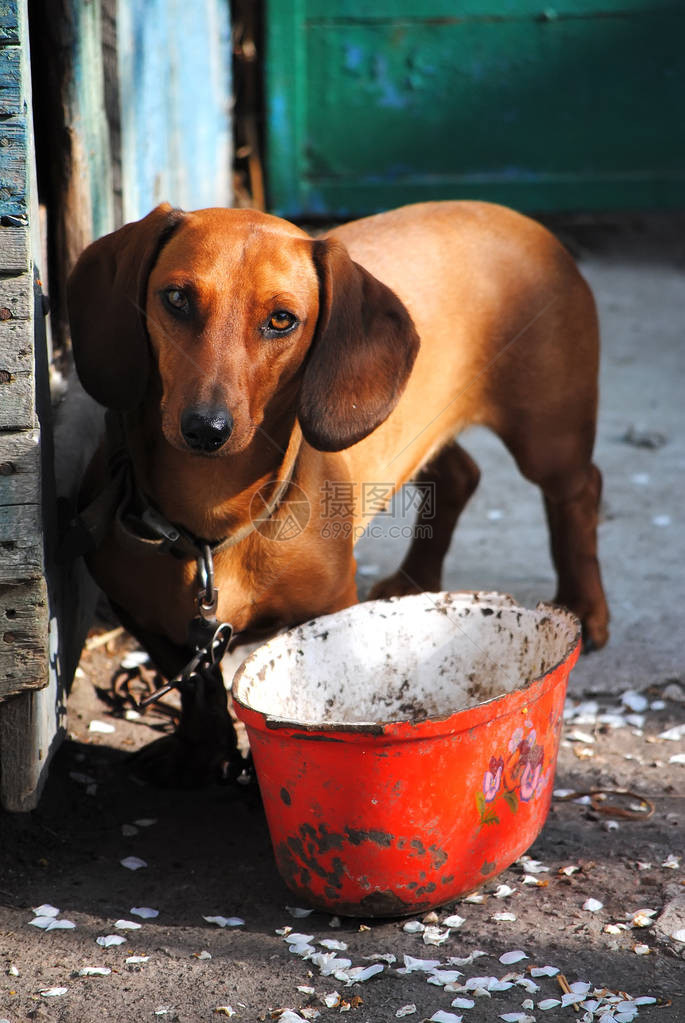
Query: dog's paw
{"type": "Point", "coordinates": [595, 634]}
{"type": "Point", "coordinates": [173, 762]}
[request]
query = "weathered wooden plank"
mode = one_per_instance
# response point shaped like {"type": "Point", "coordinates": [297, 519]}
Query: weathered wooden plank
{"type": "Point", "coordinates": [23, 636]}
{"type": "Point", "coordinates": [14, 250]}
{"type": "Point", "coordinates": [16, 346]}
{"type": "Point", "coordinates": [13, 167]}
{"type": "Point", "coordinates": [16, 298]}
{"type": "Point", "coordinates": [20, 468]}
{"type": "Point", "coordinates": [10, 81]}
{"type": "Point", "coordinates": [17, 389]}
{"type": "Point", "coordinates": [17, 397]}
{"type": "Point", "coordinates": [32, 725]}
{"type": "Point", "coordinates": [21, 543]}
{"type": "Point", "coordinates": [30, 719]}
{"type": "Point", "coordinates": [9, 22]}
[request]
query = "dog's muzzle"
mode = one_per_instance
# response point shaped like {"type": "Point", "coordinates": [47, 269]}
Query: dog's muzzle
{"type": "Point", "coordinates": [206, 429]}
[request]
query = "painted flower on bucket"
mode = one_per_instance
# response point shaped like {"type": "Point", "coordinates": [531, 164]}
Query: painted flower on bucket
{"type": "Point", "coordinates": [531, 776]}
{"type": "Point", "coordinates": [493, 778]}
{"type": "Point", "coordinates": [517, 777]}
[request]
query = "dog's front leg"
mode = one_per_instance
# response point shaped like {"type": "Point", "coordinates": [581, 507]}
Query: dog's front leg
{"type": "Point", "coordinates": [204, 747]}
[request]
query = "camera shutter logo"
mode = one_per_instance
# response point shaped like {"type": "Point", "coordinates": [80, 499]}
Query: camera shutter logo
{"type": "Point", "coordinates": [288, 520]}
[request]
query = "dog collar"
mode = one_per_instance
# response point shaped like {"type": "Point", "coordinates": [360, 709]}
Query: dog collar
{"type": "Point", "coordinates": [139, 524]}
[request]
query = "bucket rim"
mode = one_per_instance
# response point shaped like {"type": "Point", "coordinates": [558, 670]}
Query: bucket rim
{"type": "Point", "coordinates": [457, 721]}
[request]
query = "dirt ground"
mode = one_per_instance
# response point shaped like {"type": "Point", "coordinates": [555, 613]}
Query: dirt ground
{"type": "Point", "coordinates": [207, 852]}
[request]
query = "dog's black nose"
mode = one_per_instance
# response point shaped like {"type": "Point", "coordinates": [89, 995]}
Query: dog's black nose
{"type": "Point", "coordinates": [206, 429]}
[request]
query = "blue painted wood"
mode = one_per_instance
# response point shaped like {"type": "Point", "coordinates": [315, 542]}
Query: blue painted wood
{"type": "Point", "coordinates": [9, 22]}
{"type": "Point", "coordinates": [87, 111]}
{"type": "Point", "coordinates": [10, 79]}
{"type": "Point", "coordinates": [175, 90]}
{"type": "Point", "coordinates": [13, 110]}
{"type": "Point", "coordinates": [13, 168]}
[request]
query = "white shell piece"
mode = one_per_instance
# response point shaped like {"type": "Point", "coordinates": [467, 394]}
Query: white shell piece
{"type": "Point", "coordinates": [514, 956]}
{"type": "Point", "coordinates": [41, 921]}
{"type": "Point", "coordinates": [454, 921]}
{"type": "Point", "coordinates": [298, 911]}
{"type": "Point", "coordinates": [333, 945]}
{"type": "Point", "coordinates": [434, 936]}
{"type": "Point", "coordinates": [133, 863]}
{"type": "Point", "coordinates": [46, 910]}
{"type": "Point", "coordinates": [442, 977]}
{"type": "Point", "coordinates": [295, 938]}
{"type": "Point", "coordinates": [328, 963]}
{"type": "Point", "coordinates": [593, 905]}
{"type": "Point", "coordinates": [358, 974]}
{"type": "Point", "coordinates": [225, 921]}
{"type": "Point", "coordinates": [103, 727]}
{"type": "Point", "coordinates": [426, 965]}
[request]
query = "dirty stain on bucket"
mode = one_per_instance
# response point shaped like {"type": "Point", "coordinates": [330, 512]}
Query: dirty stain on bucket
{"type": "Point", "coordinates": [405, 748]}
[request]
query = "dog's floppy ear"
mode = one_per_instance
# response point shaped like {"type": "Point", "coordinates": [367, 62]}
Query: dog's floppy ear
{"type": "Point", "coordinates": [361, 356]}
{"type": "Point", "coordinates": [106, 298]}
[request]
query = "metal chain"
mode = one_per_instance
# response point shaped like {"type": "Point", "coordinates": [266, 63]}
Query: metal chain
{"type": "Point", "coordinates": [205, 658]}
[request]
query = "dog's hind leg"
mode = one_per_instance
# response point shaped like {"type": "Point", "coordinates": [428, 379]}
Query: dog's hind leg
{"type": "Point", "coordinates": [444, 487]}
{"type": "Point", "coordinates": [572, 520]}
{"type": "Point", "coordinates": [571, 486]}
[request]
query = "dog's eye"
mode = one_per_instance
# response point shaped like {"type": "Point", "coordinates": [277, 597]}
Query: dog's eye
{"type": "Point", "coordinates": [280, 322]}
{"type": "Point", "coordinates": [176, 300]}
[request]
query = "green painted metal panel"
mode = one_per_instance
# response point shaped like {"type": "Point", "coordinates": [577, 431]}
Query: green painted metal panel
{"type": "Point", "coordinates": [578, 106]}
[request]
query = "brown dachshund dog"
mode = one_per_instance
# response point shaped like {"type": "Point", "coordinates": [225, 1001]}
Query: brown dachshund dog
{"type": "Point", "coordinates": [250, 360]}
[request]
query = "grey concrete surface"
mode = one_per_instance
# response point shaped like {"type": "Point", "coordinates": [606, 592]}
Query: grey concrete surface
{"type": "Point", "coordinates": [636, 268]}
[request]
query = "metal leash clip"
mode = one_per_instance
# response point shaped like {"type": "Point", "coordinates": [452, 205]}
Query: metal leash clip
{"type": "Point", "coordinates": [208, 595]}
{"type": "Point", "coordinates": [207, 657]}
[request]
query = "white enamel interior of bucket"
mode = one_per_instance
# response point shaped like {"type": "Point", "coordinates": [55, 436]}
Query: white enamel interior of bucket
{"type": "Point", "coordinates": [405, 659]}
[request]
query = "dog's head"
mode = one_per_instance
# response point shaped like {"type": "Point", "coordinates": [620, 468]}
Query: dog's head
{"type": "Point", "coordinates": [240, 318]}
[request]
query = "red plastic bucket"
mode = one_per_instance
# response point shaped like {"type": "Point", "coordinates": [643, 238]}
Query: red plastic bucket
{"type": "Point", "coordinates": [405, 749]}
